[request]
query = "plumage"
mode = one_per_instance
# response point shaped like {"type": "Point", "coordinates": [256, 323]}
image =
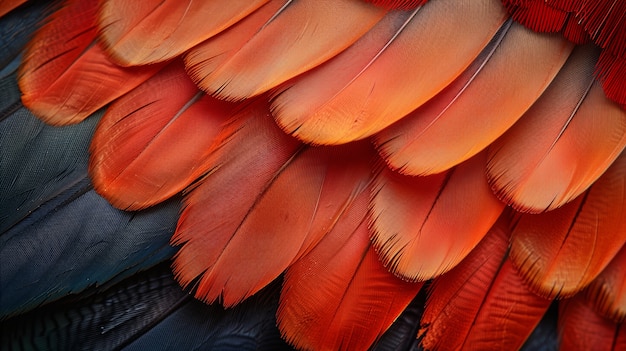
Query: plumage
{"type": "Point", "coordinates": [347, 298]}
{"type": "Point", "coordinates": [418, 144]}
{"type": "Point", "coordinates": [66, 75]}
{"type": "Point", "coordinates": [450, 114]}
{"type": "Point", "coordinates": [581, 328]}
{"type": "Point", "coordinates": [155, 31]}
{"type": "Point", "coordinates": [561, 252]}
{"type": "Point", "coordinates": [580, 136]}
{"type": "Point", "coordinates": [417, 240]}
{"type": "Point", "coordinates": [482, 303]}
{"type": "Point", "coordinates": [354, 95]}
{"type": "Point", "coordinates": [607, 293]}
{"type": "Point", "coordinates": [285, 40]}
{"type": "Point", "coordinates": [165, 120]}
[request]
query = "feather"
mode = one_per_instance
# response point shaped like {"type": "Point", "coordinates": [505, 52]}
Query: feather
{"type": "Point", "coordinates": [338, 296]}
{"type": "Point", "coordinates": [155, 30]}
{"type": "Point", "coordinates": [561, 252]}
{"type": "Point", "coordinates": [317, 184]}
{"type": "Point", "coordinates": [277, 44]}
{"type": "Point", "coordinates": [65, 75]}
{"type": "Point", "coordinates": [580, 328]}
{"type": "Point", "coordinates": [420, 143]}
{"type": "Point", "coordinates": [562, 144]}
{"type": "Point", "coordinates": [148, 311]}
{"type": "Point", "coordinates": [166, 120]}
{"type": "Point", "coordinates": [8, 5]}
{"type": "Point", "coordinates": [356, 95]}
{"type": "Point", "coordinates": [482, 303]}
{"type": "Point", "coordinates": [57, 235]}
{"type": "Point", "coordinates": [250, 152]}
{"type": "Point", "coordinates": [412, 231]}
{"type": "Point", "coordinates": [398, 4]}
{"type": "Point", "coordinates": [607, 293]}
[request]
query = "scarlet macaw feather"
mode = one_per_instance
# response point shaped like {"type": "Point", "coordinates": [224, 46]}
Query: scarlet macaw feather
{"type": "Point", "coordinates": [482, 303]}
{"type": "Point", "coordinates": [139, 33]}
{"type": "Point", "coordinates": [581, 328]}
{"type": "Point", "coordinates": [607, 293]}
{"type": "Point", "coordinates": [347, 296]}
{"type": "Point", "coordinates": [562, 251]}
{"type": "Point", "coordinates": [411, 230]}
{"type": "Point", "coordinates": [165, 120]}
{"type": "Point", "coordinates": [354, 95]}
{"type": "Point", "coordinates": [283, 41]}
{"type": "Point", "coordinates": [419, 143]}
{"type": "Point", "coordinates": [569, 137]}
{"type": "Point", "coordinates": [66, 76]}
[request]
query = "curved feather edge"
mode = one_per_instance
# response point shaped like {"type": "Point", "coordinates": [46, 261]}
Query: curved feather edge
{"type": "Point", "coordinates": [339, 296]}
{"type": "Point", "coordinates": [466, 110]}
{"type": "Point", "coordinates": [412, 230]}
{"type": "Point", "coordinates": [277, 43]}
{"type": "Point", "coordinates": [561, 252]}
{"type": "Point", "coordinates": [250, 152]}
{"type": "Point", "coordinates": [65, 75]}
{"type": "Point", "coordinates": [482, 303]}
{"type": "Point", "coordinates": [607, 293]}
{"type": "Point", "coordinates": [355, 94]}
{"type": "Point", "coordinates": [164, 121]}
{"type": "Point", "coordinates": [156, 31]}
{"type": "Point", "coordinates": [581, 328]}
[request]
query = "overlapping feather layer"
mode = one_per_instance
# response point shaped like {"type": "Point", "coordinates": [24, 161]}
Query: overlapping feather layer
{"type": "Point", "coordinates": [363, 149]}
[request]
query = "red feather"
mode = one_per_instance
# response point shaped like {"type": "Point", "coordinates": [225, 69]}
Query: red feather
{"type": "Point", "coordinates": [580, 328]}
{"type": "Point", "coordinates": [481, 304]}
{"type": "Point", "coordinates": [65, 75]}
{"type": "Point", "coordinates": [562, 251]}
{"type": "Point", "coordinates": [339, 296]}
{"type": "Point", "coordinates": [166, 120]}
{"type": "Point", "coordinates": [607, 293]}
{"type": "Point", "coordinates": [412, 230]}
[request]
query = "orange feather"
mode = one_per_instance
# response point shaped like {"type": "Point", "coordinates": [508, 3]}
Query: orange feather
{"type": "Point", "coordinates": [167, 121]}
{"type": "Point", "coordinates": [562, 144]}
{"type": "Point", "coordinates": [317, 184]}
{"type": "Point", "coordinates": [250, 152]}
{"type": "Point", "coordinates": [482, 303]}
{"type": "Point", "coordinates": [413, 232]}
{"type": "Point", "coordinates": [608, 291]}
{"type": "Point", "coordinates": [277, 44]}
{"type": "Point", "coordinates": [580, 328]}
{"type": "Point", "coordinates": [148, 31]}
{"type": "Point", "coordinates": [562, 251]}
{"type": "Point", "coordinates": [465, 113]}
{"type": "Point", "coordinates": [65, 75]}
{"type": "Point", "coordinates": [356, 94]}
{"type": "Point", "coordinates": [339, 296]}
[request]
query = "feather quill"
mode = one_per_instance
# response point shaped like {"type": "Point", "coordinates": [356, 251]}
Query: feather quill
{"type": "Point", "coordinates": [466, 112]}
{"type": "Point", "coordinates": [165, 121]}
{"type": "Point", "coordinates": [278, 42]}
{"type": "Point", "coordinates": [355, 94]}
{"type": "Point", "coordinates": [412, 230]}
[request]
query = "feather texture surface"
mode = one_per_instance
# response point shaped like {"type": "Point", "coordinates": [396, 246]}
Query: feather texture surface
{"type": "Point", "coordinates": [348, 298]}
{"type": "Point", "coordinates": [482, 303]}
{"type": "Point", "coordinates": [155, 31]}
{"type": "Point", "coordinates": [581, 133]}
{"type": "Point", "coordinates": [285, 40]}
{"type": "Point", "coordinates": [419, 143]}
{"type": "Point", "coordinates": [561, 252]}
{"type": "Point", "coordinates": [353, 96]}
{"type": "Point", "coordinates": [66, 75]}
{"type": "Point", "coordinates": [416, 240]}
{"type": "Point", "coordinates": [166, 120]}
